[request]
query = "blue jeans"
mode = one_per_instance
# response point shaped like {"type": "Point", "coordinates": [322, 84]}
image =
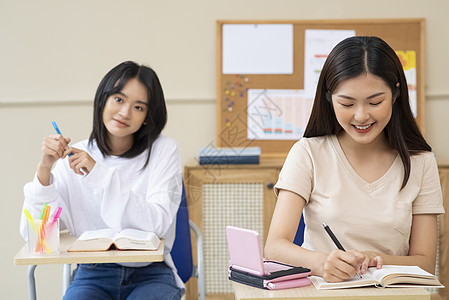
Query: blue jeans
{"type": "Point", "coordinates": [113, 281]}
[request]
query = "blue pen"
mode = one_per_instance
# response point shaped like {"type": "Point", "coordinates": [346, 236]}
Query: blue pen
{"type": "Point", "coordinates": [58, 132]}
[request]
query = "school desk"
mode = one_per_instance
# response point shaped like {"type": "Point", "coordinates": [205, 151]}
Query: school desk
{"type": "Point", "coordinates": [244, 292]}
{"type": "Point", "coordinates": [64, 257]}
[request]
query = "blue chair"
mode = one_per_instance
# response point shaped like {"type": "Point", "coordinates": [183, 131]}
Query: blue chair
{"type": "Point", "coordinates": [181, 251]}
{"type": "Point", "coordinates": [182, 248]}
{"type": "Point", "coordinates": [299, 237]}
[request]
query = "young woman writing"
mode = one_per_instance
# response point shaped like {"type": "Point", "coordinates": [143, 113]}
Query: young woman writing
{"type": "Point", "coordinates": [363, 168]}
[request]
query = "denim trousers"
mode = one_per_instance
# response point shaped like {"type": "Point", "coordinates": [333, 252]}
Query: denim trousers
{"type": "Point", "coordinates": [113, 281]}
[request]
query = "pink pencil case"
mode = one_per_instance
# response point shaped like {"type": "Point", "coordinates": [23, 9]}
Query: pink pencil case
{"type": "Point", "coordinates": [287, 278]}
{"type": "Point", "coordinates": [287, 284]}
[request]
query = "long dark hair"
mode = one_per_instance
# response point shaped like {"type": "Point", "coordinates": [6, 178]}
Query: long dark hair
{"type": "Point", "coordinates": [112, 83]}
{"type": "Point", "coordinates": [357, 56]}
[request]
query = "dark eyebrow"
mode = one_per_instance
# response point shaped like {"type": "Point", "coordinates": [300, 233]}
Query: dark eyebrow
{"type": "Point", "coordinates": [368, 98]}
{"type": "Point", "coordinates": [120, 93]}
{"type": "Point", "coordinates": [142, 102]}
{"type": "Point", "coordinates": [138, 101]}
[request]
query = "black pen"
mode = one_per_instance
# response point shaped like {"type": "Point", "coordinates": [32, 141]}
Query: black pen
{"type": "Point", "coordinates": [333, 237]}
{"type": "Point", "coordinates": [336, 241]}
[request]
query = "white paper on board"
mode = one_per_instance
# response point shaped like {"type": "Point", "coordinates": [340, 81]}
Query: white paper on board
{"type": "Point", "coordinates": [257, 49]}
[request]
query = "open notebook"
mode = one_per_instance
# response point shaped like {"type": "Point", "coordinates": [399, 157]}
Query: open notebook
{"type": "Point", "coordinates": [248, 266]}
{"type": "Point", "coordinates": [388, 276]}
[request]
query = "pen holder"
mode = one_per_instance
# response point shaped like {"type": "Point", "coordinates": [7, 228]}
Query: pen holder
{"type": "Point", "coordinates": [43, 239]}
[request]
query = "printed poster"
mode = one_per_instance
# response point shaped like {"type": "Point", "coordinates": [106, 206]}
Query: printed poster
{"type": "Point", "coordinates": [277, 114]}
{"type": "Point", "coordinates": [318, 45]}
{"type": "Point", "coordinates": [408, 60]}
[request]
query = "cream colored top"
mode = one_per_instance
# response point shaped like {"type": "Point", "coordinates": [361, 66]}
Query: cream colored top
{"type": "Point", "coordinates": [364, 216]}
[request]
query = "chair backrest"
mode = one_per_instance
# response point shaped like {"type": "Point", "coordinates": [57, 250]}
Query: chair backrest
{"type": "Point", "coordinates": [181, 251]}
{"type": "Point", "coordinates": [299, 237]}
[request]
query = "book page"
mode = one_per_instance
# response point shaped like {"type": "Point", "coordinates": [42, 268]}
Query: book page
{"type": "Point", "coordinates": [366, 280]}
{"type": "Point", "coordinates": [397, 270]}
{"type": "Point", "coordinates": [95, 240]}
{"type": "Point", "coordinates": [133, 239]}
{"type": "Point", "coordinates": [130, 239]}
{"type": "Point", "coordinates": [95, 234]}
{"type": "Point", "coordinates": [135, 234]}
{"type": "Point", "coordinates": [389, 274]}
{"type": "Point", "coordinates": [406, 275]}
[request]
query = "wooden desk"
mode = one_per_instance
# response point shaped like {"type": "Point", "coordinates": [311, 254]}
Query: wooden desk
{"type": "Point", "coordinates": [64, 257]}
{"type": "Point", "coordinates": [244, 292]}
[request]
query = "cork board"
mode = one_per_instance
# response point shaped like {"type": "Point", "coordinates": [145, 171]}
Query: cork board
{"type": "Point", "coordinates": [234, 122]}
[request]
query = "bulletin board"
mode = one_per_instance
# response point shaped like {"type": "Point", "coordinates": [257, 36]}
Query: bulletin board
{"type": "Point", "coordinates": [240, 88]}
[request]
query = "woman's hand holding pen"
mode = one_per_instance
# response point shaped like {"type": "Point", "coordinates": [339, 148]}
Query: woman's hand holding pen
{"type": "Point", "coordinates": [53, 147]}
{"type": "Point", "coordinates": [56, 146]}
{"type": "Point", "coordinates": [342, 265]}
{"type": "Point", "coordinates": [80, 162]}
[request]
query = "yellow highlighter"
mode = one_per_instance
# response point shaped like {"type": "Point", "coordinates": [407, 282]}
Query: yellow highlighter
{"type": "Point", "coordinates": [36, 230]}
{"type": "Point", "coordinates": [30, 219]}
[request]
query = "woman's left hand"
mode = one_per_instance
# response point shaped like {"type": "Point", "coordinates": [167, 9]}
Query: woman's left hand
{"type": "Point", "coordinates": [372, 259]}
{"type": "Point", "coordinates": [80, 162]}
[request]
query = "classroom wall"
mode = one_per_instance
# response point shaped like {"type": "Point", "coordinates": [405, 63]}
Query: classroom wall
{"type": "Point", "coordinates": [53, 54]}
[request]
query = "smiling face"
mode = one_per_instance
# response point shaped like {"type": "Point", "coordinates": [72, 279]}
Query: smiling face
{"type": "Point", "coordinates": [363, 106]}
{"type": "Point", "coordinates": [125, 112]}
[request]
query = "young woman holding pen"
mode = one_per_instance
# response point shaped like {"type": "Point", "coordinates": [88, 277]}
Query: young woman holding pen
{"type": "Point", "coordinates": [363, 168]}
{"type": "Point", "coordinates": [126, 175]}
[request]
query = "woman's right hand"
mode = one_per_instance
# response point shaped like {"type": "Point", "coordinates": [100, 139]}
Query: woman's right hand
{"type": "Point", "coordinates": [53, 148]}
{"type": "Point", "coordinates": [340, 265]}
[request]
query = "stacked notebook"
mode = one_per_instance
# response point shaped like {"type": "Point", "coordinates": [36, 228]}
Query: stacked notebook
{"type": "Point", "coordinates": [249, 267]}
{"type": "Point", "coordinates": [229, 156]}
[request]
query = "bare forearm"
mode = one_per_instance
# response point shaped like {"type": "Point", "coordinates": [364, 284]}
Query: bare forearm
{"type": "Point", "coordinates": [287, 252]}
{"type": "Point", "coordinates": [43, 174]}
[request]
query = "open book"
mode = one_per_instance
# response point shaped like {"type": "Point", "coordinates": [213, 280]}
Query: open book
{"type": "Point", "coordinates": [103, 239]}
{"type": "Point", "coordinates": [388, 276]}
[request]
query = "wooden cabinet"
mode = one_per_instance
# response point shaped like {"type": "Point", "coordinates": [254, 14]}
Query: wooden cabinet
{"type": "Point", "coordinates": [443, 236]}
{"type": "Point", "coordinates": [220, 195]}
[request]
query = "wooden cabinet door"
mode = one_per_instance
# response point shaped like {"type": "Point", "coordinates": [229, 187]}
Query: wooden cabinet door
{"type": "Point", "coordinates": [227, 195]}
{"type": "Point", "coordinates": [443, 236]}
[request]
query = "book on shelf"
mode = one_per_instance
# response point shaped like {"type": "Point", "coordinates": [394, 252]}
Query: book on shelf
{"type": "Point", "coordinates": [388, 276]}
{"type": "Point", "coordinates": [127, 239]}
{"type": "Point", "coordinates": [225, 156]}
